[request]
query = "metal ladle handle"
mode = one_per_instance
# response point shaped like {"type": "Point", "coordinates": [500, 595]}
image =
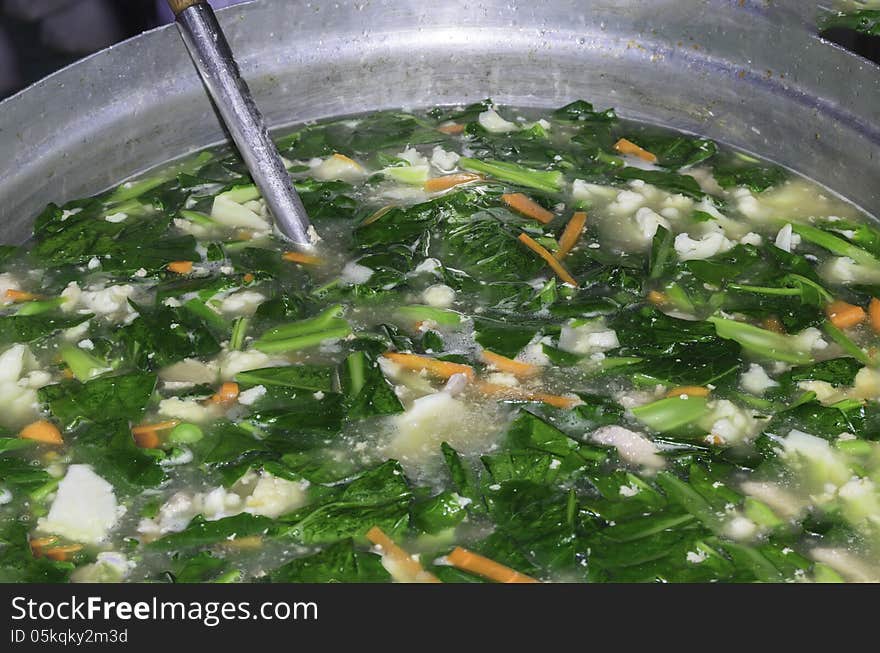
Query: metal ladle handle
{"type": "Point", "coordinates": [213, 57]}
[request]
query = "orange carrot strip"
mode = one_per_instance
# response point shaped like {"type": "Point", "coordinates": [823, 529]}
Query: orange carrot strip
{"type": "Point", "coordinates": [504, 364]}
{"type": "Point", "coordinates": [227, 393]}
{"type": "Point", "coordinates": [62, 553]}
{"type": "Point", "coordinates": [844, 315]}
{"type": "Point", "coordinates": [441, 369]}
{"type": "Point", "coordinates": [446, 182]}
{"type": "Point", "coordinates": [42, 431]}
{"type": "Point", "coordinates": [451, 128]}
{"type": "Point", "coordinates": [299, 257]}
{"type": "Point", "coordinates": [19, 296]}
{"type": "Point", "coordinates": [874, 312]}
{"type": "Point", "coordinates": [378, 214]}
{"type": "Point", "coordinates": [248, 278]}
{"type": "Point", "coordinates": [689, 390]}
{"type": "Point", "coordinates": [148, 440]}
{"type": "Point", "coordinates": [40, 544]}
{"type": "Point", "coordinates": [180, 267]}
{"type": "Point", "coordinates": [346, 159]}
{"type": "Point", "coordinates": [571, 235]}
{"type": "Point", "coordinates": [657, 298]}
{"type": "Point", "coordinates": [411, 568]}
{"type": "Point", "coordinates": [628, 147]}
{"type": "Point", "coordinates": [555, 265]}
{"type": "Point", "coordinates": [476, 564]}
{"type": "Point", "coordinates": [153, 428]}
{"type": "Point", "coordinates": [528, 207]}
{"type": "Point", "coordinates": [508, 392]}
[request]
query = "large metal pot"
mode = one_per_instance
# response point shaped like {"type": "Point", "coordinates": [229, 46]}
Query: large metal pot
{"type": "Point", "coordinates": [748, 72]}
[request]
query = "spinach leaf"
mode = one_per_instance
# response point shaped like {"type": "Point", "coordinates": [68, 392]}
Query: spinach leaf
{"type": "Point", "coordinates": [111, 450]}
{"type": "Point", "coordinates": [675, 151]}
{"type": "Point", "coordinates": [504, 337]}
{"type": "Point", "coordinates": [367, 391]}
{"type": "Point", "coordinates": [748, 172]}
{"type": "Point", "coordinates": [201, 532]}
{"type": "Point", "coordinates": [379, 497]}
{"type": "Point", "coordinates": [486, 247]}
{"type": "Point", "coordinates": [865, 21]}
{"type": "Point", "coordinates": [22, 474]}
{"type": "Point", "coordinates": [103, 399]}
{"type": "Point", "coordinates": [17, 562]}
{"type": "Point", "coordinates": [163, 335]}
{"type": "Point", "coordinates": [327, 199]}
{"type": "Point", "coordinates": [668, 181]}
{"type": "Point", "coordinates": [336, 563]}
{"type": "Point", "coordinates": [28, 328]}
{"type": "Point", "coordinates": [438, 513]}
{"type": "Point", "coordinates": [303, 377]}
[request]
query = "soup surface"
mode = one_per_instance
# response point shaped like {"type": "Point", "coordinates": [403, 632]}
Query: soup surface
{"type": "Point", "coordinates": [582, 348]}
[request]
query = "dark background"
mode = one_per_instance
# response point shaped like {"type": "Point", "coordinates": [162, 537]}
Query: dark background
{"type": "Point", "coordinates": [38, 37]}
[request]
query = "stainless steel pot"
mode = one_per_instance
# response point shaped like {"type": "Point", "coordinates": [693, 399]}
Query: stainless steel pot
{"type": "Point", "coordinates": [751, 73]}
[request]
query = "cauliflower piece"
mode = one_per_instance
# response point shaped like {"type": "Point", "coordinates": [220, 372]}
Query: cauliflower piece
{"type": "Point", "coordinates": [274, 496]}
{"type": "Point", "coordinates": [443, 160]}
{"type": "Point", "coordinates": [338, 167]}
{"type": "Point", "coordinates": [439, 295]}
{"type": "Point", "coordinates": [631, 446]}
{"type": "Point", "coordinates": [233, 362]}
{"type": "Point", "coordinates": [18, 398]}
{"type": "Point", "coordinates": [707, 246]}
{"type": "Point", "coordinates": [756, 380]}
{"type": "Point", "coordinates": [492, 122]}
{"type": "Point", "coordinates": [84, 509]}
{"type": "Point", "coordinates": [244, 302]}
{"type": "Point", "coordinates": [110, 303]}
{"type": "Point", "coordinates": [354, 274]}
{"type": "Point", "coordinates": [588, 338]}
{"type": "Point", "coordinates": [648, 222]}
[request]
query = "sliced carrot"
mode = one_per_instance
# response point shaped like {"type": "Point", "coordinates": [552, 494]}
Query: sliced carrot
{"type": "Point", "coordinates": [451, 128]}
{"type": "Point", "coordinates": [39, 544]}
{"type": "Point", "coordinates": [299, 257]}
{"type": "Point", "coordinates": [446, 182]}
{"type": "Point", "coordinates": [148, 440]}
{"type": "Point", "coordinates": [180, 267]}
{"type": "Point", "coordinates": [514, 393]}
{"type": "Point", "coordinates": [773, 324]}
{"type": "Point", "coordinates": [438, 368]}
{"type": "Point", "coordinates": [19, 296]}
{"type": "Point", "coordinates": [874, 312]}
{"type": "Point", "coordinates": [153, 428]}
{"type": "Point", "coordinates": [248, 278]}
{"type": "Point", "coordinates": [42, 431]}
{"type": "Point", "coordinates": [689, 390]}
{"type": "Point", "coordinates": [657, 298]}
{"type": "Point", "coordinates": [571, 235]}
{"type": "Point", "coordinates": [504, 364]}
{"type": "Point", "coordinates": [555, 265]}
{"type": "Point", "coordinates": [346, 159]}
{"type": "Point", "coordinates": [527, 207]}
{"type": "Point", "coordinates": [227, 393]}
{"type": "Point", "coordinates": [474, 563]}
{"type": "Point", "coordinates": [62, 553]}
{"type": "Point", "coordinates": [411, 569]}
{"type": "Point", "coordinates": [844, 315]}
{"type": "Point", "coordinates": [628, 147]}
